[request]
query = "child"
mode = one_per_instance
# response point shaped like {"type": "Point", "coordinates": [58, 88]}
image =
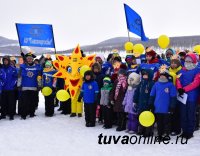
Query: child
{"type": "Point", "coordinates": [141, 98]}
{"type": "Point", "coordinates": [163, 98]}
{"type": "Point", "coordinates": [98, 75]}
{"type": "Point", "coordinates": [133, 82]}
{"type": "Point", "coordinates": [89, 93]}
{"type": "Point", "coordinates": [105, 103]}
{"type": "Point", "coordinates": [175, 67]}
{"type": "Point", "coordinates": [49, 81]}
{"type": "Point", "coordinates": [117, 97]}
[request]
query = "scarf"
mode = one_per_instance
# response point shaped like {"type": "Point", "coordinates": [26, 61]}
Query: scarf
{"type": "Point", "coordinates": [121, 82]}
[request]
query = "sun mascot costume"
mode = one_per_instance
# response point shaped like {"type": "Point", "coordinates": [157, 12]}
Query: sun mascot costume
{"type": "Point", "coordinates": [69, 68]}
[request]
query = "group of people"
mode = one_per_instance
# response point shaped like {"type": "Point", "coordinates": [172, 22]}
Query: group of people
{"type": "Point", "coordinates": [118, 92]}
{"type": "Point", "coordinates": [114, 92]}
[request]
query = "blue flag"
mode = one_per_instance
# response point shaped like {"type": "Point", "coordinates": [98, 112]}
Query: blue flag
{"type": "Point", "coordinates": [134, 23]}
{"type": "Point", "coordinates": [35, 35]}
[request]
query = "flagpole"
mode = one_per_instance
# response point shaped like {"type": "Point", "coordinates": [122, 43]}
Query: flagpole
{"type": "Point", "coordinates": [18, 38]}
{"type": "Point", "coordinates": [129, 39]}
{"type": "Point", "coordinates": [54, 42]}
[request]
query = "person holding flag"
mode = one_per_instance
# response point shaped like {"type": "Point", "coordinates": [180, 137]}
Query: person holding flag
{"type": "Point", "coordinates": [29, 82]}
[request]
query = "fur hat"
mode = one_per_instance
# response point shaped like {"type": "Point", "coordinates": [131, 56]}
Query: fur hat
{"type": "Point", "coordinates": [135, 77]}
{"type": "Point", "coordinates": [96, 65]}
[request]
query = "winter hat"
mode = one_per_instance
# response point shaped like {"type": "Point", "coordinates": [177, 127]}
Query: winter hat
{"type": "Point", "coordinates": [109, 57]}
{"type": "Point", "coordinates": [170, 51]}
{"type": "Point", "coordinates": [129, 58]}
{"type": "Point", "coordinates": [152, 53]}
{"type": "Point", "coordinates": [96, 65]}
{"type": "Point", "coordinates": [117, 58]}
{"type": "Point", "coordinates": [48, 64]}
{"type": "Point", "coordinates": [192, 56]}
{"type": "Point", "coordinates": [135, 77]}
{"type": "Point", "coordinates": [30, 55]}
{"type": "Point", "coordinates": [182, 53]}
{"type": "Point", "coordinates": [89, 72]}
{"type": "Point", "coordinates": [107, 80]}
{"type": "Point", "coordinates": [101, 57]}
{"type": "Point", "coordinates": [6, 58]}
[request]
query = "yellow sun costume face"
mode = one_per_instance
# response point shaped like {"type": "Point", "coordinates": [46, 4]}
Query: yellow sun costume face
{"type": "Point", "coordinates": [69, 69]}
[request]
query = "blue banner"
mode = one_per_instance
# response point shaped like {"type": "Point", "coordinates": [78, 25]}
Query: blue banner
{"type": "Point", "coordinates": [134, 22]}
{"type": "Point", "coordinates": [35, 35]}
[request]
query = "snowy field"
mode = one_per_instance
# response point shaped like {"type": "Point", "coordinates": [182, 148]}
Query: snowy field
{"type": "Point", "coordinates": [63, 136]}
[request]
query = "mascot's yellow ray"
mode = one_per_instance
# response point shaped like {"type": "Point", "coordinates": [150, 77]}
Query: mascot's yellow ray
{"type": "Point", "coordinates": [68, 68]}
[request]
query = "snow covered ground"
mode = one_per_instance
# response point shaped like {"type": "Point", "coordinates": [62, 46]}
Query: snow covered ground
{"type": "Point", "coordinates": [63, 136]}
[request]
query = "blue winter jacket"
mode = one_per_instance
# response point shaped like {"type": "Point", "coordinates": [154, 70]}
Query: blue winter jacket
{"type": "Point", "coordinates": [187, 77]}
{"type": "Point", "coordinates": [164, 94]}
{"type": "Point", "coordinates": [2, 79]}
{"type": "Point", "coordinates": [29, 75]}
{"type": "Point", "coordinates": [89, 91]}
{"type": "Point", "coordinates": [48, 78]}
{"type": "Point", "coordinates": [11, 77]}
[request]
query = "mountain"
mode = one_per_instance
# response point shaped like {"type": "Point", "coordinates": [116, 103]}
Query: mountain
{"type": "Point", "coordinates": [182, 42]}
{"type": "Point", "coordinates": [11, 47]}
{"type": "Point", "coordinates": [8, 46]}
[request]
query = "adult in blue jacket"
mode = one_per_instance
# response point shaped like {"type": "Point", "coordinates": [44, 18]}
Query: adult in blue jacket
{"type": "Point", "coordinates": [188, 110]}
{"type": "Point", "coordinates": [29, 82]}
{"type": "Point", "coordinates": [8, 93]}
{"type": "Point", "coordinates": [2, 81]}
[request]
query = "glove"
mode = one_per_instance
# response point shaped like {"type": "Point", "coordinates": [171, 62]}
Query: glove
{"type": "Point", "coordinates": [181, 91]}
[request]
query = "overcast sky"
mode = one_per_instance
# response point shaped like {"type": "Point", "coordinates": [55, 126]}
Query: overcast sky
{"type": "Point", "coordinates": [92, 21]}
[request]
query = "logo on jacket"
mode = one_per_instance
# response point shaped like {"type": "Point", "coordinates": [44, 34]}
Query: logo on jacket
{"type": "Point", "coordinates": [90, 87]}
{"type": "Point", "coordinates": [30, 74]}
{"type": "Point", "coordinates": [166, 90]}
{"type": "Point", "coordinates": [47, 79]}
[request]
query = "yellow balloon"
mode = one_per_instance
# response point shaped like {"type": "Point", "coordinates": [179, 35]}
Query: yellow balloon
{"type": "Point", "coordinates": [146, 118]}
{"type": "Point", "coordinates": [83, 69]}
{"type": "Point", "coordinates": [138, 49]}
{"type": "Point", "coordinates": [46, 91]}
{"type": "Point", "coordinates": [128, 46]}
{"type": "Point", "coordinates": [196, 49]}
{"type": "Point", "coordinates": [163, 41]}
{"type": "Point", "coordinates": [62, 95]}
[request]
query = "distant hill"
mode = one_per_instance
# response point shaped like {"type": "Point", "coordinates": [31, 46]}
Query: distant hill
{"type": "Point", "coordinates": [8, 46]}
{"type": "Point", "coordinates": [183, 42]}
{"type": "Point", "coordinates": [11, 47]}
